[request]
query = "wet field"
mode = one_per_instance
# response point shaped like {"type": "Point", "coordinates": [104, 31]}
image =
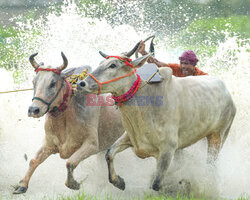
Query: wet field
{"type": "Point", "coordinates": [80, 39]}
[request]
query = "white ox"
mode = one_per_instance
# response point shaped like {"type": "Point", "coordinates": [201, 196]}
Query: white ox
{"type": "Point", "coordinates": [188, 110]}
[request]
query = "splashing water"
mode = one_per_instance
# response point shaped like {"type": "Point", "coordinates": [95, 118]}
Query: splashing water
{"type": "Point", "coordinates": [80, 39]}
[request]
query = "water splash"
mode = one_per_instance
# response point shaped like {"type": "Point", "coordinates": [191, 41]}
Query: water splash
{"type": "Point", "coordinates": [81, 38]}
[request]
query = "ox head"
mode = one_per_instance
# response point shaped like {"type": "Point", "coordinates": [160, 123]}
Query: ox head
{"type": "Point", "coordinates": [49, 87]}
{"type": "Point", "coordinates": [107, 77]}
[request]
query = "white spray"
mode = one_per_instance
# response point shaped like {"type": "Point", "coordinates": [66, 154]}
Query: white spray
{"type": "Point", "coordinates": [80, 39]}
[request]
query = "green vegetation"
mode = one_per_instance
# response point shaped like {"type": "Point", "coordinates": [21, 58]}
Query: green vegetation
{"type": "Point", "coordinates": [80, 196]}
{"type": "Point", "coordinates": [189, 24]}
{"type": "Point", "coordinates": [169, 17]}
{"type": "Point", "coordinates": [214, 30]}
{"type": "Point", "coordinates": [83, 196]}
{"type": "Point", "coordinates": [94, 8]}
{"type": "Point", "coordinates": [9, 44]}
{"type": "Point", "coordinates": [203, 35]}
{"type": "Point", "coordinates": [14, 45]}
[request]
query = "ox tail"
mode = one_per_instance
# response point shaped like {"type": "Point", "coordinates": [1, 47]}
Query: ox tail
{"type": "Point", "coordinates": [233, 112]}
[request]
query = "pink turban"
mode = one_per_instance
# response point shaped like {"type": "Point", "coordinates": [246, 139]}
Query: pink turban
{"type": "Point", "coordinates": [189, 56]}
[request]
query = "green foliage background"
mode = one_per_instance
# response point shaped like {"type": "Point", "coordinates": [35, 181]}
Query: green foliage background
{"type": "Point", "coordinates": [187, 24]}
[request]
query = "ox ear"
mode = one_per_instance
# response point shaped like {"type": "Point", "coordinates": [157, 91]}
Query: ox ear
{"type": "Point", "coordinates": [68, 72]}
{"type": "Point", "coordinates": [140, 61]}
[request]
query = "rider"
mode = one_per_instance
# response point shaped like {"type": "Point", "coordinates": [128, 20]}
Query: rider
{"type": "Point", "coordinates": [187, 66]}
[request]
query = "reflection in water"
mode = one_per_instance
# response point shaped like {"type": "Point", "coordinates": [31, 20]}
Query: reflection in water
{"type": "Point", "coordinates": [81, 39]}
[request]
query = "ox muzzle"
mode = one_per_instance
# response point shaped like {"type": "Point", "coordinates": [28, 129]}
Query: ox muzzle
{"type": "Point", "coordinates": [83, 86]}
{"type": "Point", "coordinates": [33, 110]}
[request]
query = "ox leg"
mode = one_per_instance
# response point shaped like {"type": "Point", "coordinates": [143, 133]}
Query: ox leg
{"type": "Point", "coordinates": [43, 153]}
{"type": "Point", "coordinates": [87, 149]}
{"type": "Point", "coordinates": [163, 162]}
{"type": "Point", "coordinates": [214, 146]}
{"type": "Point", "coordinates": [121, 144]}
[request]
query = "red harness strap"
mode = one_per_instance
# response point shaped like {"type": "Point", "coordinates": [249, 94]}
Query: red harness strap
{"type": "Point", "coordinates": [62, 107]}
{"type": "Point", "coordinates": [126, 60]}
{"type": "Point", "coordinates": [48, 69]}
{"type": "Point", "coordinates": [128, 95]}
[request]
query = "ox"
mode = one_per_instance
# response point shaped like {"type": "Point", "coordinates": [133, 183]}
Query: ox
{"type": "Point", "coordinates": [189, 109]}
{"type": "Point", "coordinates": [72, 129]}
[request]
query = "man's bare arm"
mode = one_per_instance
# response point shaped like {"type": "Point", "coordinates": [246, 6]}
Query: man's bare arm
{"type": "Point", "coordinates": [141, 50]}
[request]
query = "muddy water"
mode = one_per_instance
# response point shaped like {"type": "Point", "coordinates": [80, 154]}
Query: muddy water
{"type": "Point", "coordinates": [80, 39]}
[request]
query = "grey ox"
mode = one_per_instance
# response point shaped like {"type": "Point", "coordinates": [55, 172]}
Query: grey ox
{"type": "Point", "coordinates": [72, 129]}
{"type": "Point", "coordinates": [181, 112]}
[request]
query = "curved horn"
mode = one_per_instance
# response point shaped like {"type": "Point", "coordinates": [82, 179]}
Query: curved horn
{"type": "Point", "coordinates": [152, 36]}
{"type": "Point", "coordinates": [133, 50]}
{"type": "Point", "coordinates": [65, 62]}
{"type": "Point", "coordinates": [152, 47]}
{"type": "Point", "coordinates": [103, 54]}
{"type": "Point", "coordinates": [32, 61]}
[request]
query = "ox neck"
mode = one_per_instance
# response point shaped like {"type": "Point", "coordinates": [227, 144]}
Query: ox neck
{"type": "Point", "coordinates": [64, 104]}
{"type": "Point", "coordinates": [127, 93]}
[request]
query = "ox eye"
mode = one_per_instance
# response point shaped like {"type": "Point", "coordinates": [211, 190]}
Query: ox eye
{"type": "Point", "coordinates": [52, 84]}
{"type": "Point", "coordinates": [112, 66]}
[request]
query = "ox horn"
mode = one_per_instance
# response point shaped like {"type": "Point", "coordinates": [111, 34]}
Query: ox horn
{"type": "Point", "coordinates": [65, 62]}
{"type": "Point", "coordinates": [129, 54]}
{"type": "Point", "coordinates": [151, 49]}
{"type": "Point", "coordinates": [103, 54]}
{"type": "Point", "coordinates": [32, 61]}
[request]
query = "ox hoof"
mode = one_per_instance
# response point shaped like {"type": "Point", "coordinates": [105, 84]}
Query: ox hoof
{"type": "Point", "coordinates": [20, 190]}
{"type": "Point", "coordinates": [156, 186]}
{"type": "Point", "coordinates": [119, 183]}
{"type": "Point", "coordinates": [74, 185]}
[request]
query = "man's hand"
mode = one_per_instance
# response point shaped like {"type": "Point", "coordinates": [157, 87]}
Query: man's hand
{"type": "Point", "coordinates": [141, 48]}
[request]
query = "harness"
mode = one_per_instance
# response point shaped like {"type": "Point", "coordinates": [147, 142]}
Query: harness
{"type": "Point", "coordinates": [62, 107]}
{"type": "Point", "coordinates": [132, 91]}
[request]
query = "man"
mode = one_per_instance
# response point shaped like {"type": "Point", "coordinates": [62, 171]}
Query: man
{"type": "Point", "coordinates": [187, 66]}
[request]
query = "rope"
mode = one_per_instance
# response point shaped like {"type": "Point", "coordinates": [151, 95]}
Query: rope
{"type": "Point", "coordinates": [147, 81]}
{"type": "Point", "coordinates": [72, 79]}
{"type": "Point", "coordinates": [12, 91]}
{"type": "Point", "coordinates": [126, 61]}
